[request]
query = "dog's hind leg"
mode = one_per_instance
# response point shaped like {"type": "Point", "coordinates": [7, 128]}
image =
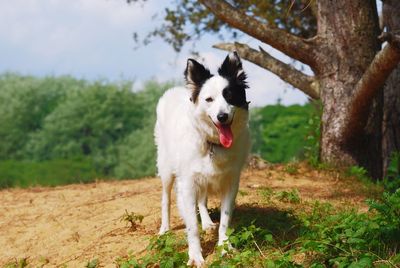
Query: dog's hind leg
{"type": "Point", "coordinates": [206, 222]}
{"type": "Point", "coordinates": [167, 182]}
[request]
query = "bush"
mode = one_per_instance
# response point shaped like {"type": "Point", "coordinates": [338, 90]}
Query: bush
{"type": "Point", "coordinates": [392, 180]}
{"type": "Point", "coordinates": [24, 103]}
{"type": "Point", "coordinates": [88, 121]}
{"type": "Point", "coordinates": [46, 120]}
{"type": "Point", "coordinates": [137, 155]}
{"type": "Point", "coordinates": [279, 133]}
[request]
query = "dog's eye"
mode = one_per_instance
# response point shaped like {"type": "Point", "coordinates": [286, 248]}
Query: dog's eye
{"type": "Point", "coordinates": [209, 99]}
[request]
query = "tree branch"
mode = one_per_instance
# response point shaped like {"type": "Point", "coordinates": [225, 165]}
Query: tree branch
{"type": "Point", "coordinates": [308, 84]}
{"type": "Point", "coordinates": [293, 46]}
{"type": "Point", "coordinates": [371, 82]}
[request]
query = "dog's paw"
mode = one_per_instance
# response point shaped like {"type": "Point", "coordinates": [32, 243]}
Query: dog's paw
{"type": "Point", "coordinates": [163, 230]}
{"type": "Point", "coordinates": [208, 226]}
{"type": "Point", "coordinates": [196, 260]}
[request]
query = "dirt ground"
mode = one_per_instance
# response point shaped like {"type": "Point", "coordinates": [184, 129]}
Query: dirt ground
{"type": "Point", "coordinates": [70, 225]}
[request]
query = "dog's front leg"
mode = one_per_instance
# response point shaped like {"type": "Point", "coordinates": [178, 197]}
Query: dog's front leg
{"type": "Point", "coordinates": [186, 197]}
{"type": "Point", "coordinates": [167, 182]}
{"type": "Point", "coordinates": [227, 204]}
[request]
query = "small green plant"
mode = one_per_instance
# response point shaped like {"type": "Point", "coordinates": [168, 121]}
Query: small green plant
{"type": "Point", "coordinates": [92, 264]}
{"type": "Point", "coordinates": [392, 180]}
{"type": "Point", "coordinates": [290, 197]}
{"type": "Point", "coordinates": [356, 171]}
{"type": "Point", "coordinates": [21, 263]}
{"type": "Point", "coordinates": [388, 216]}
{"type": "Point", "coordinates": [267, 194]}
{"type": "Point", "coordinates": [243, 193]}
{"type": "Point", "coordinates": [247, 244]}
{"type": "Point", "coordinates": [292, 168]}
{"type": "Point", "coordinates": [166, 250]}
{"type": "Point", "coordinates": [133, 219]}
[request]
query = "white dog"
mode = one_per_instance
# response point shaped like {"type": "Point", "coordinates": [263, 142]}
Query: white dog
{"type": "Point", "coordinates": [203, 142]}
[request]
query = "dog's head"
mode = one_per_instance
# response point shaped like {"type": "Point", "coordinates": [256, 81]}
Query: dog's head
{"type": "Point", "coordinates": [219, 100]}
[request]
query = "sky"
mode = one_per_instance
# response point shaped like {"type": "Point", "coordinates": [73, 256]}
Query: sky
{"type": "Point", "coordinates": [92, 39]}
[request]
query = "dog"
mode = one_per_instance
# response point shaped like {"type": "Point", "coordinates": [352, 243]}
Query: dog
{"type": "Point", "coordinates": [203, 141]}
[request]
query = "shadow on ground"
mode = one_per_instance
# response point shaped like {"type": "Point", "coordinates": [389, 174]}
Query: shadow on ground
{"type": "Point", "coordinates": [282, 224]}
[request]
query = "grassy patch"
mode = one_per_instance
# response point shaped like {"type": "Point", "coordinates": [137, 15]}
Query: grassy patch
{"type": "Point", "coordinates": [314, 235]}
{"type": "Point", "coordinates": [47, 173]}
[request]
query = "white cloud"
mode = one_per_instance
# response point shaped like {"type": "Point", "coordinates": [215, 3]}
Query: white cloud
{"type": "Point", "coordinates": [57, 28]}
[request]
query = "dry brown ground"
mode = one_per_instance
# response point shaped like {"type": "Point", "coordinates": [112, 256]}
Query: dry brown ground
{"type": "Point", "coordinates": [69, 225]}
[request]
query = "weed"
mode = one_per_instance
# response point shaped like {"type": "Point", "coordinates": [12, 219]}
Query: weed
{"type": "Point", "coordinates": [166, 250]}
{"type": "Point", "coordinates": [243, 193]}
{"type": "Point", "coordinates": [133, 219]}
{"type": "Point", "coordinates": [247, 243]}
{"type": "Point", "coordinates": [388, 217]}
{"type": "Point", "coordinates": [392, 180]}
{"type": "Point", "coordinates": [92, 264]}
{"type": "Point", "coordinates": [290, 197]}
{"type": "Point", "coordinates": [267, 194]}
{"type": "Point", "coordinates": [356, 171]}
{"type": "Point", "coordinates": [21, 263]}
{"type": "Point", "coordinates": [292, 168]}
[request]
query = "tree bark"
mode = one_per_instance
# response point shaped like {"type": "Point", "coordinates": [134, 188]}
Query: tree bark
{"type": "Point", "coordinates": [367, 88]}
{"type": "Point", "coordinates": [348, 33]}
{"type": "Point", "coordinates": [391, 118]}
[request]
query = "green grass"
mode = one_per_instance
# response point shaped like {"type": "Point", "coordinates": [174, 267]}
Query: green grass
{"type": "Point", "coordinates": [15, 173]}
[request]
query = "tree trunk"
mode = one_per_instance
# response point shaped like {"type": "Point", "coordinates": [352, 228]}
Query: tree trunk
{"type": "Point", "coordinates": [391, 118]}
{"type": "Point", "coordinates": [347, 33]}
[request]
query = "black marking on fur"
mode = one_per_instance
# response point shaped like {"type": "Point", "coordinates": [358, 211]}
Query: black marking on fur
{"type": "Point", "coordinates": [232, 70]}
{"type": "Point", "coordinates": [195, 74]}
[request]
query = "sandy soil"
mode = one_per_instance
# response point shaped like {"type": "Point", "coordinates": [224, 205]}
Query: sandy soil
{"type": "Point", "coordinates": [70, 225]}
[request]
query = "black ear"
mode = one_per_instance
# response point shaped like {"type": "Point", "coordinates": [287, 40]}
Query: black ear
{"type": "Point", "coordinates": [232, 69]}
{"type": "Point", "coordinates": [195, 74]}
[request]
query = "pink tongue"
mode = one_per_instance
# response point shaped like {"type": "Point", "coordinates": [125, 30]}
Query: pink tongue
{"type": "Point", "coordinates": [225, 135]}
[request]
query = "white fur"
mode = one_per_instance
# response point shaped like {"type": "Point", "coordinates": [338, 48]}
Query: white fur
{"type": "Point", "coordinates": [181, 133]}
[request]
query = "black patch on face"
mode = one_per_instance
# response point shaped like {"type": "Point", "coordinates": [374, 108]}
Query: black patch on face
{"type": "Point", "coordinates": [235, 93]}
{"type": "Point", "coordinates": [195, 75]}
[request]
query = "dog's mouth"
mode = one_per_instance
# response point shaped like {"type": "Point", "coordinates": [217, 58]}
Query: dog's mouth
{"type": "Point", "coordinates": [225, 133]}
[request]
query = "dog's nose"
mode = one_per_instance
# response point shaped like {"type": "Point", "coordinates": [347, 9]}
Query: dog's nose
{"type": "Point", "coordinates": [222, 117]}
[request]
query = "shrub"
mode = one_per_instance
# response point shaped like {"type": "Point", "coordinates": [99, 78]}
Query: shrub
{"type": "Point", "coordinates": [24, 103]}
{"type": "Point", "coordinates": [279, 132]}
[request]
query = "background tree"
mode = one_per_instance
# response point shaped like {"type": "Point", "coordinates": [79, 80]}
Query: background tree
{"type": "Point", "coordinates": [337, 40]}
